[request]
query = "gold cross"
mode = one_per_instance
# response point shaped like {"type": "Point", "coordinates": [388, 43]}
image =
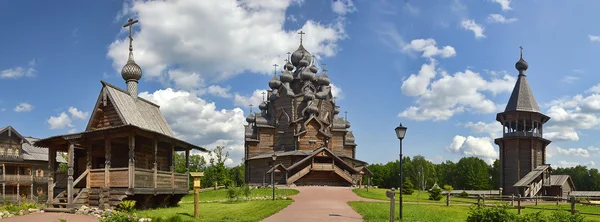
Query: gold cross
{"type": "Point", "coordinates": [129, 24]}
{"type": "Point", "coordinates": [275, 70]}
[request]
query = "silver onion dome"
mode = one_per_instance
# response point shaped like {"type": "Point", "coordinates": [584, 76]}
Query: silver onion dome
{"type": "Point", "coordinates": [131, 70]}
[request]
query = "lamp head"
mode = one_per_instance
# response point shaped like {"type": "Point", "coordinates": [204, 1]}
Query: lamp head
{"type": "Point", "coordinates": [400, 131]}
{"type": "Point", "coordinates": [274, 156]}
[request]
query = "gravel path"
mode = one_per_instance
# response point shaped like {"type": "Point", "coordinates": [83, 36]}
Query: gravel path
{"type": "Point", "coordinates": [320, 204]}
{"type": "Point", "coordinates": [51, 217]}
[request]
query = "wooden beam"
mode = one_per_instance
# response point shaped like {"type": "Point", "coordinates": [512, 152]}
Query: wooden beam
{"type": "Point", "coordinates": [107, 148]}
{"type": "Point", "coordinates": [131, 161]}
{"type": "Point", "coordinates": [172, 165]}
{"type": "Point", "coordinates": [51, 163]}
{"type": "Point", "coordinates": [88, 163]}
{"type": "Point", "coordinates": [155, 164]}
{"type": "Point", "coordinates": [71, 155]}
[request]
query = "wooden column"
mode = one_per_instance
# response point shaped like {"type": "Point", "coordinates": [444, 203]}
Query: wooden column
{"type": "Point", "coordinates": [173, 166]}
{"type": "Point", "coordinates": [31, 172]}
{"type": "Point", "coordinates": [88, 181]}
{"type": "Point", "coordinates": [18, 194]}
{"type": "Point", "coordinates": [107, 150]}
{"type": "Point", "coordinates": [187, 166]}
{"type": "Point", "coordinates": [132, 161]}
{"type": "Point", "coordinates": [71, 156]}
{"type": "Point", "coordinates": [155, 162]}
{"type": "Point", "coordinates": [3, 184]}
{"type": "Point", "coordinates": [51, 163]}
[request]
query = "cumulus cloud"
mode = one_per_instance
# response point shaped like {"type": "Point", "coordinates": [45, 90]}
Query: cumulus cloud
{"type": "Point", "coordinates": [200, 122]}
{"type": "Point", "coordinates": [561, 134]}
{"type": "Point", "coordinates": [429, 49]}
{"type": "Point", "coordinates": [569, 79]}
{"type": "Point", "coordinates": [481, 147]}
{"type": "Point", "coordinates": [23, 107]}
{"type": "Point", "coordinates": [564, 163]}
{"type": "Point", "coordinates": [78, 114]}
{"type": "Point", "coordinates": [18, 72]}
{"type": "Point", "coordinates": [505, 4]}
{"type": "Point", "coordinates": [594, 38]}
{"type": "Point", "coordinates": [255, 99]}
{"type": "Point", "coordinates": [471, 25]}
{"type": "Point", "coordinates": [497, 18]}
{"type": "Point", "coordinates": [342, 7]}
{"type": "Point", "coordinates": [573, 152]}
{"type": "Point", "coordinates": [590, 163]}
{"type": "Point", "coordinates": [440, 99]}
{"type": "Point", "coordinates": [60, 122]}
{"type": "Point", "coordinates": [189, 41]}
{"type": "Point", "coordinates": [494, 129]}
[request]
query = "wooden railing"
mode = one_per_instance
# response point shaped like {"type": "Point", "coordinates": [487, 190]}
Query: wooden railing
{"type": "Point", "coordinates": [17, 178]}
{"type": "Point", "coordinates": [144, 178]}
{"type": "Point", "coordinates": [181, 181]}
{"type": "Point", "coordinates": [119, 177]}
{"type": "Point", "coordinates": [323, 166]}
{"type": "Point", "coordinates": [96, 178]}
{"type": "Point", "coordinates": [300, 173]}
{"type": "Point", "coordinates": [344, 174]}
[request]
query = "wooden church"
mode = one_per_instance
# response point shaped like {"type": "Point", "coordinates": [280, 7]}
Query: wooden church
{"type": "Point", "coordinates": [126, 152]}
{"type": "Point", "coordinates": [523, 168]}
{"type": "Point", "coordinates": [297, 137]}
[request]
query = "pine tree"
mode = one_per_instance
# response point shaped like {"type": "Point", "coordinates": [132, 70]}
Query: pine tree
{"type": "Point", "coordinates": [435, 193]}
{"type": "Point", "coordinates": [407, 188]}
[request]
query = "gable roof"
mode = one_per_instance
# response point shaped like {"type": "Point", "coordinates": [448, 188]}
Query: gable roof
{"type": "Point", "coordinates": [315, 152]}
{"type": "Point", "coordinates": [31, 152]}
{"type": "Point", "coordinates": [522, 98]}
{"type": "Point", "coordinates": [13, 131]}
{"type": "Point", "coordinates": [560, 180]}
{"type": "Point", "coordinates": [529, 177]}
{"type": "Point", "coordinates": [134, 111]}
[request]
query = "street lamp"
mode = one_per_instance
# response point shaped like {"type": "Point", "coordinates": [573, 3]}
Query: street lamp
{"type": "Point", "coordinates": [400, 132]}
{"type": "Point", "coordinates": [274, 156]}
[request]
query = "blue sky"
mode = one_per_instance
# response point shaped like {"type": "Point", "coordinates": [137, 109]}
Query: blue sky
{"type": "Point", "coordinates": [443, 68]}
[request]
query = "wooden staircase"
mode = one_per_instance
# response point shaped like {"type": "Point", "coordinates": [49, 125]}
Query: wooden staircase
{"type": "Point", "coordinates": [59, 203]}
{"type": "Point", "coordinates": [298, 175]}
{"type": "Point", "coordinates": [344, 175]}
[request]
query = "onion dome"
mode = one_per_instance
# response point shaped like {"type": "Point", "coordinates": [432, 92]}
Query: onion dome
{"type": "Point", "coordinates": [263, 106]}
{"type": "Point", "coordinates": [274, 83]}
{"type": "Point", "coordinates": [306, 74]}
{"type": "Point", "coordinates": [324, 80]}
{"type": "Point", "coordinates": [299, 55]}
{"type": "Point", "coordinates": [274, 95]}
{"type": "Point", "coordinates": [313, 68]}
{"type": "Point", "coordinates": [309, 95]}
{"type": "Point", "coordinates": [260, 120]}
{"type": "Point", "coordinates": [286, 76]}
{"type": "Point", "coordinates": [250, 118]}
{"type": "Point", "coordinates": [288, 66]}
{"type": "Point", "coordinates": [131, 70]}
{"type": "Point", "coordinates": [521, 65]}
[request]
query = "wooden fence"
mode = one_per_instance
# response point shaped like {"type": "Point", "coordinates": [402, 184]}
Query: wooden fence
{"type": "Point", "coordinates": [527, 202]}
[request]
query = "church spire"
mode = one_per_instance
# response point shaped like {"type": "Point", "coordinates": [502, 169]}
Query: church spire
{"type": "Point", "coordinates": [522, 98]}
{"type": "Point", "coordinates": [131, 72]}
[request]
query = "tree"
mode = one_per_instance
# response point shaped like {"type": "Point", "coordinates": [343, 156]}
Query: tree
{"type": "Point", "coordinates": [63, 167]}
{"type": "Point", "coordinates": [407, 188]}
{"type": "Point", "coordinates": [495, 173]}
{"type": "Point", "coordinates": [217, 173]}
{"type": "Point", "coordinates": [472, 174]}
{"type": "Point", "coordinates": [435, 193]}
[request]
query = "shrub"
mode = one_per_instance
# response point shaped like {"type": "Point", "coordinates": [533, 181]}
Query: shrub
{"type": "Point", "coordinates": [463, 194]}
{"type": "Point", "coordinates": [246, 191]}
{"type": "Point", "coordinates": [435, 193]}
{"type": "Point", "coordinates": [233, 193]}
{"type": "Point", "coordinates": [448, 188]}
{"type": "Point", "coordinates": [407, 188]}
{"type": "Point", "coordinates": [117, 216]}
{"type": "Point", "coordinates": [491, 214]}
{"type": "Point", "coordinates": [559, 215]}
{"type": "Point", "coordinates": [127, 205]}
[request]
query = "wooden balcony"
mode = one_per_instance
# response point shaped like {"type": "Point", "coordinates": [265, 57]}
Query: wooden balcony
{"type": "Point", "coordinates": [323, 167]}
{"type": "Point", "coordinates": [13, 178]}
{"type": "Point", "coordinates": [145, 181]}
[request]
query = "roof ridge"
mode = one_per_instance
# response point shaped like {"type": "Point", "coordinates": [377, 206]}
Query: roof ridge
{"type": "Point", "coordinates": [104, 83]}
{"type": "Point", "coordinates": [522, 98]}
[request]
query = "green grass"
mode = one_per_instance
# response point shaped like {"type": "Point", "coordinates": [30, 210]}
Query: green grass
{"type": "Point", "coordinates": [379, 211]}
{"type": "Point", "coordinates": [221, 194]}
{"type": "Point", "coordinates": [236, 211]}
{"type": "Point", "coordinates": [417, 196]}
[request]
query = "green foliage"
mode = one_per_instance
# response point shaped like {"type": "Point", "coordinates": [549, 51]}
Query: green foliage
{"type": "Point", "coordinates": [127, 205]}
{"type": "Point", "coordinates": [583, 178]}
{"type": "Point", "coordinates": [463, 194]}
{"type": "Point", "coordinates": [472, 174]}
{"type": "Point", "coordinates": [245, 190]}
{"type": "Point", "coordinates": [494, 171]}
{"type": "Point", "coordinates": [491, 214]}
{"type": "Point", "coordinates": [63, 167]}
{"type": "Point", "coordinates": [42, 198]}
{"type": "Point", "coordinates": [116, 216]}
{"type": "Point", "coordinates": [62, 220]}
{"type": "Point", "coordinates": [10, 207]}
{"type": "Point", "coordinates": [448, 188]}
{"type": "Point", "coordinates": [435, 193]}
{"type": "Point", "coordinates": [407, 188]}
{"type": "Point", "coordinates": [233, 193]}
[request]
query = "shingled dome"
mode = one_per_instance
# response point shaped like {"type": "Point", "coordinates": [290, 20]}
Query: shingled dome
{"type": "Point", "coordinates": [522, 98]}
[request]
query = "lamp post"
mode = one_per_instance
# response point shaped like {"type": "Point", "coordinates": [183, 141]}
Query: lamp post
{"type": "Point", "coordinates": [400, 132]}
{"type": "Point", "coordinates": [274, 156]}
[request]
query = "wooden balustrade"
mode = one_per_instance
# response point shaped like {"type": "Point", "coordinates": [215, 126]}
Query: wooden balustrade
{"type": "Point", "coordinates": [144, 178]}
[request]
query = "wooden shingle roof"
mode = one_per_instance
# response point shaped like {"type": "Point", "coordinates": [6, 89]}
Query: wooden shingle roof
{"type": "Point", "coordinates": [522, 98]}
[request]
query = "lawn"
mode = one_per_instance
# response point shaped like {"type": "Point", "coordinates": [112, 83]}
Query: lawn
{"type": "Point", "coordinates": [378, 211]}
{"type": "Point", "coordinates": [417, 196]}
{"type": "Point", "coordinates": [238, 211]}
{"type": "Point", "coordinates": [221, 194]}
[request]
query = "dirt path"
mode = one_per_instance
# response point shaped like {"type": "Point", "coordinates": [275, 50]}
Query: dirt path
{"type": "Point", "coordinates": [320, 204]}
{"type": "Point", "coordinates": [51, 217]}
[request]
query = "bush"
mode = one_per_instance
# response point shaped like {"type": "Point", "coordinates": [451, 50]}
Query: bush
{"type": "Point", "coordinates": [233, 193]}
{"type": "Point", "coordinates": [435, 193]}
{"type": "Point", "coordinates": [448, 188]}
{"type": "Point", "coordinates": [127, 205]}
{"type": "Point", "coordinates": [491, 214]}
{"type": "Point", "coordinates": [245, 190]}
{"type": "Point", "coordinates": [463, 194]}
{"type": "Point", "coordinates": [117, 216]}
{"type": "Point", "coordinates": [407, 188]}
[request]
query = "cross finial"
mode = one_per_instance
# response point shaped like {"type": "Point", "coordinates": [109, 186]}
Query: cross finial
{"type": "Point", "coordinates": [521, 47]}
{"type": "Point", "coordinates": [251, 108]}
{"type": "Point", "coordinates": [263, 93]}
{"type": "Point", "coordinates": [275, 69]}
{"type": "Point", "coordinates": [346, 115]}
{"type": "Point", "coordinates": [301, 33]}
{"type": "Point", "coordinates": [129, 24]}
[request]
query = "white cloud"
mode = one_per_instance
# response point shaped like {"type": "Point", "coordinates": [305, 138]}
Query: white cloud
{"type": "Point", "coordinates": [573, 152]}
{"type": "Point", "coordinates": [590, 163]}
{"type": "Point", "coordinates": [494, 129]}
{"type": "Point", "coordinates": [23, 107]}
{"type": "Point", "coordinates": [255, 99]}
{"type": "Point", "coordinates": [342, 7]}
{"type": "Point", "coordinates": [481, 147]}
{"type": "Point", "coordinates": [505, 4]}
{"type": "Point", "coordinates": [18, 72]}
{"type": "Point", "coordinates": [594, 38]}
{"type": "Point", "coordinates": [77, 114]}
{"type": "Point", "coordinates": [336, 92]}
{"type": "Point", "coordinates": [60, 122]}
{"type": "Point", "coordinates": [591, 148]}
{"type": "Point", "coordinates": [561, 134]}
{"type": "Point", "coordinates": [569, 79]}
{"type": "Point", "coordinates": [219, 91]}
{"type": "Point", "coordinates": [3, 109]}
{"type": "Point", "coordinates": [565, 164]}
{"type": "Point", "coordinates": [72, 130]}
{"type": "Point", "coordinates": [471, 25]}
{"type": "Point", "coordinates": [442, 98]}
{"type": "Point", "coordinates": [429, 49]}
{"type": "Point", "coordinates": [186, 113]}
{"type": "Point", "coordinates": [497, 18]}
{"type": "Point", "coordinates": [215, 40]}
